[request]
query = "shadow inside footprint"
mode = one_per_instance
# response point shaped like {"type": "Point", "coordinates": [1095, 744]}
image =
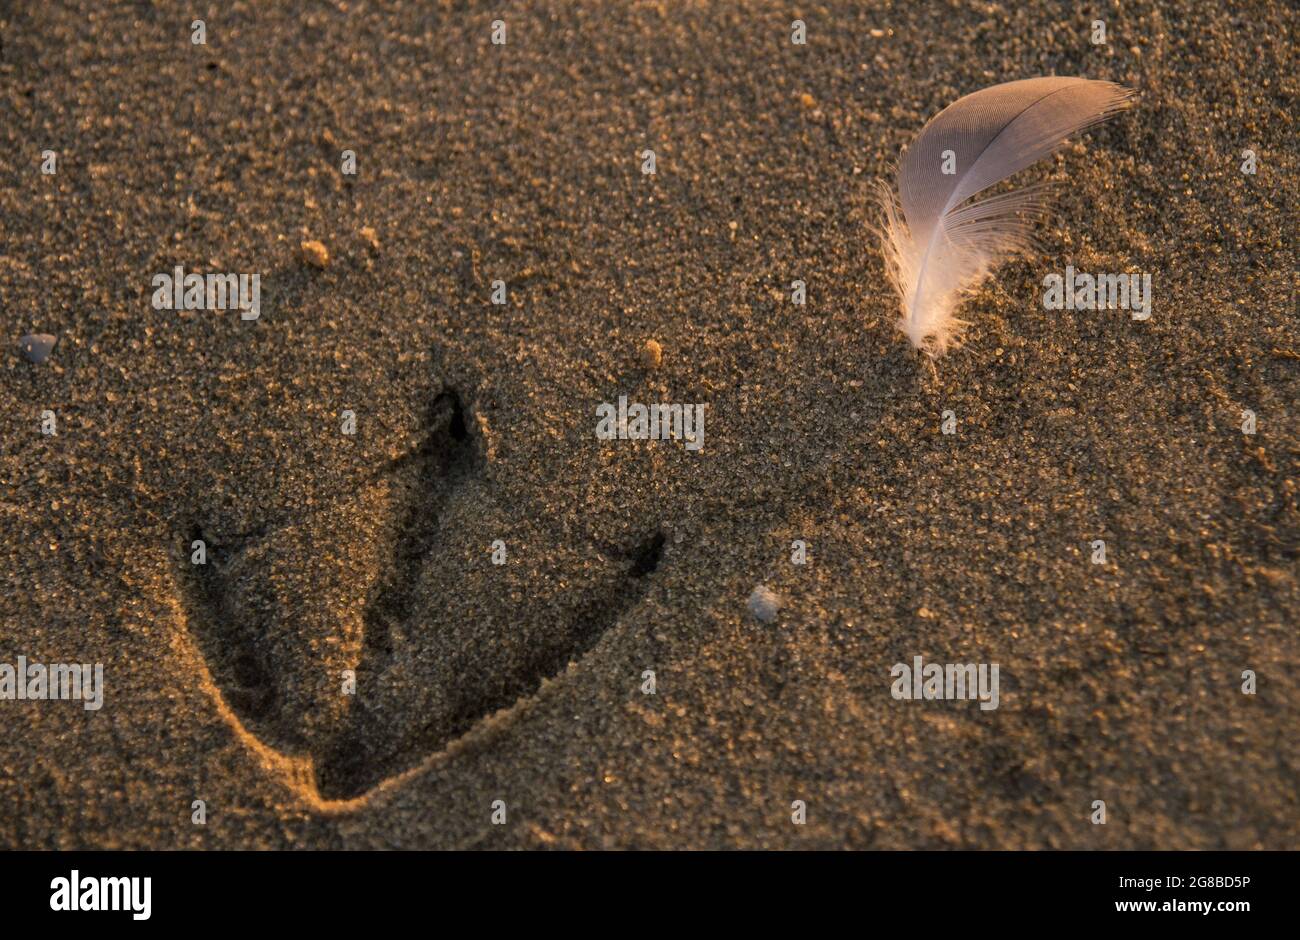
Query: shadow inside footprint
{"type": "Point", "coordinates": [428, 476]}
{"type": "Point", "coordinates": [231, 646]}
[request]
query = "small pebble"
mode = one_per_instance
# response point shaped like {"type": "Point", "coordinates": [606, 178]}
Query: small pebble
{"type": "Point", "coordinates": [315, 254]}
{"type": "Point", "coordinates": [37, 346]}
{"type": "Point", "coordinates": [764, 603]}
{"type": "Point", "coordinates": [808, 100]}
{"type": "Point", "coordinates": [372, 239]}
{"type": "Point", "coordinates": [652, 354]}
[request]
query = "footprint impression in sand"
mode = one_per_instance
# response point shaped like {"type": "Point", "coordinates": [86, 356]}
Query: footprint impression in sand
{"type": "Point", "coordinates": [436, 635]}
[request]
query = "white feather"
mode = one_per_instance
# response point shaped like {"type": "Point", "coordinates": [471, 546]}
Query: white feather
{"type": "Point", "coordinates": [938, 245]}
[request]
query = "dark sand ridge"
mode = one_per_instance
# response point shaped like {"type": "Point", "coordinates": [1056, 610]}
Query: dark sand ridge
{"type": "Point", "coordinates": [521, 163]}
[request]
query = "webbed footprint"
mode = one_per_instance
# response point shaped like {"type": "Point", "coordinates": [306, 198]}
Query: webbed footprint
{"type": "Point", "coordinates": [397, 585]}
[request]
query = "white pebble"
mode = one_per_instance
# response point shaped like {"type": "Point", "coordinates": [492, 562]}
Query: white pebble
{"type": "Point", "coordinates": [764, 603]}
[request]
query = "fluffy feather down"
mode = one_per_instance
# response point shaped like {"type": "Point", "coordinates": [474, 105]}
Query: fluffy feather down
{"type": "Point", "coordinates": [938, 244]}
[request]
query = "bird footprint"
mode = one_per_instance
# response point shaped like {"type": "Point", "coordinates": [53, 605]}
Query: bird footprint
{"type": "Point", "coordinates": [396, 588]}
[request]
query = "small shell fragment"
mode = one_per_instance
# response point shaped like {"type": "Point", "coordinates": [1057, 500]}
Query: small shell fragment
{"type": "Point", "coordinates": [36, 347]}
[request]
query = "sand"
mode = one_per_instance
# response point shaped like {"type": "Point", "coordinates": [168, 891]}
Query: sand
{"type": "Point", "coordinates": [525, 682]}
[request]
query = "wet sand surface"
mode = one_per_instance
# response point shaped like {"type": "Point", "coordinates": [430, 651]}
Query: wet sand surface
{"type": "Point", "coordinates": [371, 554]}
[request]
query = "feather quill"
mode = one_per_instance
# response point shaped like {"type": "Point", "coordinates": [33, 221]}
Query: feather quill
{"type": "Point", "coordinates": [938, 244]}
